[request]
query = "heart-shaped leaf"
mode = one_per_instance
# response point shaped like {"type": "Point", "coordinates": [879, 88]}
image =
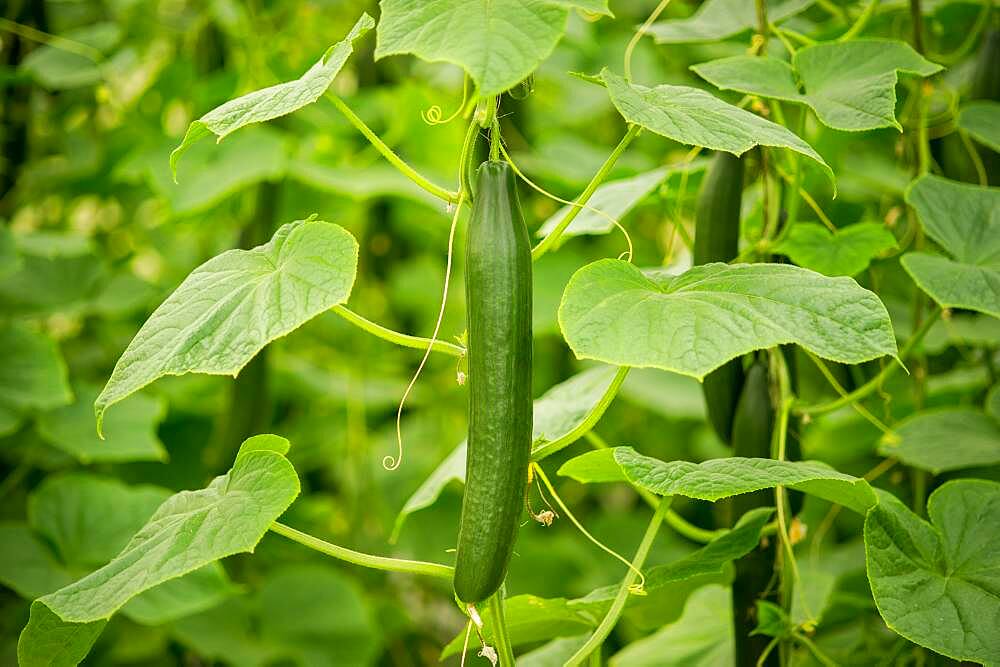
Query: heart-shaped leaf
{"type": "Point", "coordinates": [234, 304]}
{"type": "Point", "coordinates": [693, 323]}
{"type": "Point", "coordinates": [846, 252]}
{"type": "Point", "coordinates": [938, 583]}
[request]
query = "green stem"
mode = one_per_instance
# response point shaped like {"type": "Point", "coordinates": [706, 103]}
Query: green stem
{"type": "Point", "coordinates": [389, 154]}
{"type": "Point", "coordinates": [618, 605]}
{"type": "Point", "coordinates": [501, 637]}
{"type": "Point", "coordinates": [861, 22]}
{"type": "Point", "coordinates": [917, 17]}
{"type": "Point", "coordinates": [549, 241]}
{"type": "Point", "coordinates": [762, 23]}
{"type": "Point", "coordinates": [405, 340]}
{"type": "Point", "coordinates": [673, 519]}
{"type": "Point", "coordinates": [877, 381]}
{"type": "Point", "coordinates": [55, 41]}
{"type": "Point", "coordinates": [363, 559]}
{"type": "Point", "coordinates": [588, 422]}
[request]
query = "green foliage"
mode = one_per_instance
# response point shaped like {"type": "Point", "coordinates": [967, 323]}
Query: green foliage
{"type": "Point", "coordinates": [845, 252]}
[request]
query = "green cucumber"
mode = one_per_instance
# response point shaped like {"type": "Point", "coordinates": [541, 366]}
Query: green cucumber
{"type": "Point", "coordinates": [498, 299]}
{"type": "Point", "coordinates": [716, 239]}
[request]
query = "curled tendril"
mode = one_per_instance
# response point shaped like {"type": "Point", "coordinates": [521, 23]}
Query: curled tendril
{"type": "Point", "coordinates": [433, 114]}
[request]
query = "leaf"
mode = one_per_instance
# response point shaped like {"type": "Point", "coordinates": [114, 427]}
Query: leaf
{"type": "Point", "coordinates": [554, 653]}
{"type": "Point", "coordinates": [719, 478]}
{"type": "Point", "coordinates": [718, 19]}
{"type": "Point", "coordinates": [360, 183]}
{"type": "Point", "coordinates": [59, 69]}
{"type": "Point", "coordinates": [33, 374]}
{"type": "Point", "coordinates": [27, 564]}
{"type": "Point", "coordinates": [233, 305]}
{"type": "Point", "coordinates": [945, 439]}
{"type": "Point", "coordinates": [993, 402]}
{"type": "Point", "coordinates": [937, 583]}
{"type": "Point", "coordinates": [275, 101]}
{"type": "Point", "coordinates": [189, 530]}
{"type": "Point", "coordinates": [693, 323]}
{"type": "Point", "coordinates": [965, 221]}
{"type": "Point", "coordinates": [10, 261]}
{"type": "Point", "coordinates": [772, 620]}
{"type": "Point", "coordinates": [129, 432]}
{"type": "Point", "coordinates": [693, 117]}
{"type": "Point", "coordinates": [532, 619]}
{"type": "Point", "coordinates": [847, 252]}
{"type": "Point", "coordinates": [702, 637]}
{"type": "Point", "coordinates": [56, 272]}
{"type": "Point", "coordinates": [964, 329]}
{"type": "Point", "coordinates": [850, 85]}
{"type": "Point", "coordinates": [48, 642]}
{"type": "Point", "coordinates": [557, 413]}
{"type": "Point", "coordinates": [981, 120]}
{"type": "Point", "coordinates": [616, 199]}
{"type": "Point", "coordinates": [497, 42]}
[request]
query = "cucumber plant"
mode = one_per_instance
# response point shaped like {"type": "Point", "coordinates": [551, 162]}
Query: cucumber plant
{"type": "Point", "coordinates": [696, 255]}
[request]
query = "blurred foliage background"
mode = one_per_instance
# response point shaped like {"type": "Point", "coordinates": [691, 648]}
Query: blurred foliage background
{"type": "Point", "coordinates": [102, 234]}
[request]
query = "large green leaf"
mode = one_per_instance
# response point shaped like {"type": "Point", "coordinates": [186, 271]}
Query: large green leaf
{"type": "Point", "coordinates": [498, 42]}
{"type": "Point", "coordinates": [938, 583]}
{"type": "Point", "coordinates": [719, 19]}
{"type": "Point", "coordinates": [129, 432]}
{"type": "Point", "coordinates": [48, 642]}
{"type": "Point", "coordinates": [719, 478]}
{"type": "Point", "coordinates": [693, 323]}
{"type": "Point", "coordinates": [696, 118]}
{"type": "Point", "coordinates": [275, 101]}
{"type": "Point", "coordinates": [850, 85]}
{"type": "Point", "coordinates": [33, 373]}
{"type": "Point", "coordinates": [189, 530]}
{"type": "Point", "coordinates": [234, 304]}
{"type": "Point", "coordinates": [532, 619]}
{"type": "Point", "coordinates": [702, 637]}
{"type": "Point", "coordinates": [846, 252]}
{"type": "Point", "coordinates": [616, 199]}
{"type": "Point", "coordinates": [945, 439]}
{"type": "Point", "coordinates": [557, 413]}
{"type": "Point", "coordinates": [965, 221]}
{"type": "Point", "coordinates": [981, 119]}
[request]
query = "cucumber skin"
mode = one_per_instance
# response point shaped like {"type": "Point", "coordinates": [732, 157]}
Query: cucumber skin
{"type": "Point", "coordinates": [498, 300]}
{"type": "Point", "coordinates": [716, 239]}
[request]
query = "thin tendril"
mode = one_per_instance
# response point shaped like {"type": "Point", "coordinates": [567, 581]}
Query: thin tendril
{"type": "Point", "coordinates": [432, 116]}
{"type": "Point", "coordinates": [638, 36]}
{"type": "Point", "coordinates": [389, 462]}
{"type": "Point", "coordinates": [586, 207]}
{"type": "Point", "coordinates": [465, 645]}
{"type": "Point", "coordinates": [635, 589]}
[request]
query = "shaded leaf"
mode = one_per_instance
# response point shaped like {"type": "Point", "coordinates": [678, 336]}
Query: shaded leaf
{"type": "Point", "coordinates": [945, 439]}
{"type": "Point", "coordinates": [58, 69]}
{"type": "Point", "coordinates": [719, 19]}
{"type": "Point", "coordinates": [234, 304]}
{"type": "Point", "coordinates": [693, 323]}
{"type": "Point", "coordinates": [847, 252]}
{"type": "Point", "coordinates": [33, 375]}
{"type": "Point", "coordinates": [850, 85]}
{"type": "Point", "coordinates": [274, 101]}
{"type": "Point", "coordinates": [981, 119]}
{"type": "Point", "coordinates": [696, 118]}
{"type": "Point", "coordinates": [719, 478]}
{"type": "Point", "coordinates": [48, 642]}
{"type": "Point", "coordinates": [936, 583]}
{"type": "Point", "coordinates": [965, 221]}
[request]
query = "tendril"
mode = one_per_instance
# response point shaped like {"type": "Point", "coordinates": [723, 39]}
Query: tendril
{"type": "Point", "coordinates": [586, 207]}
{"type": "Point", "coordinates": [433, 114]}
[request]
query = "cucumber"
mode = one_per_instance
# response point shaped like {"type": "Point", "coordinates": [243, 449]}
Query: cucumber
{"type": "Point", "coordinates": [498, 299]}
{"type": "Point", "coordinates": [716, 239]}
{"type": "Point", "coordinates": [752, 427]}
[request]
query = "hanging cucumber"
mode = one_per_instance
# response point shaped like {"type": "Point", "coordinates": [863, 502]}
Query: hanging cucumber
{"type": "Point", "coordinates": [498, 296]}
{"type": "Point", "coordinates": [716, 239]}
{"type": "Point", "coordinates": [752, 427]}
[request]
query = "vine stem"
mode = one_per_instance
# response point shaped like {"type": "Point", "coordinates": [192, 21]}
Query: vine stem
{"type": "Point", "coordinates": [55, 41]}
{"type": "Point", "coordinates": [588, 422]}
{"type": "Point", "coordinates": [610, 619]}
{"type": "Point", "coordinates": [877, 381]}
{"type": "Point", "coordinates": [389, 154]}
{"type": "Point", "coordinates": [861, 22]}
{"type": "Point", "coordinates": [365, 560]}
{"type": "Point", "coordinates": [501, 636]}
{"type": "Point", "coordinates": [549, 241]}
{"type": "Point", "coordinates": [401, 339]}
{"type": "Point", "coordinates": [673, 519]}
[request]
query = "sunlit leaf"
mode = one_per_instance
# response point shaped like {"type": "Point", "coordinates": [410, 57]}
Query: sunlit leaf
{"type": "Point", "coordinates": [695, 322]}
{"type": "Point", "coordinates": [847, 252]}
{"type": "Point", "coordinates": [719, 19]}
{"type": "Point", "coordinates": [936, 583]}
{"type": "Point", "coordinates": [694, 117]}
{"type": "Point", "coordinates": [850, 85]}
{"type": "Point", "coordinates": [234, 304]}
